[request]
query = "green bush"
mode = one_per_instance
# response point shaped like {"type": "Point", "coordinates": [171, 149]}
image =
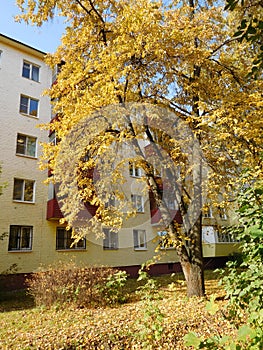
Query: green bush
{"type": "Point", "coordinates": [243, 280]}
{"type": "Point", "coordinates": [83, 287]}
{"type": "Point", "coordinates": [150, 324]}
{"type": "Point", "coordinates": [112, 290]}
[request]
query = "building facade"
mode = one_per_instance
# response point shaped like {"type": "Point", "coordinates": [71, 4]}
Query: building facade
{"type": "Point", "coordinates": [30, 231]}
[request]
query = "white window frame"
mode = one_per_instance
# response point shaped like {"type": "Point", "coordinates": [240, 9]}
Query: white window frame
{"type": "Point", "coordinates": [20, 238]}
{"type": "Point", "coordinates": [157, 170]}
{"type": "Point", "coordinates": [163, 241]}
{"type": "Point", "coordinates": [53, 138]}
{"type": "Point", "coordinates": [139, 240]}
{"type": "Point", "coordinates": [53, 103]}
{"type": "Point", "coordinates": [27, 140]}
{"type": "Point", "coordinates": [68, 240]}
{"type": "Point", "coordinates": [27, 106]}
{"type": "Point", "coordinates": [138, 202]}
{"type": "Point", "coordinates": [171, 204]}
{"type": "Point", "coordinates": [222, 213]}
{"type": "Point", "coordinates": [110, 240]}
{"type": "Point", "coordinates": [30, 68]}
{"type": "Point", "coordinates": [24, 183]}
{"type": "Point", "coordinates": [208, 214]}
{"type": "Point", "coordinates": [134, 170]}
{"type": "Point", "coordinates": [56, 70]}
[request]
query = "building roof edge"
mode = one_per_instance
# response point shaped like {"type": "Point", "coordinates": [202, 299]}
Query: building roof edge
{"type": "Point", "coordinates": [17, 42]}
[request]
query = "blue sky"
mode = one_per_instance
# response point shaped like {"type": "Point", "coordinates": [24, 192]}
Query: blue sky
{"type": "Point", "coordinates": [45, 38]}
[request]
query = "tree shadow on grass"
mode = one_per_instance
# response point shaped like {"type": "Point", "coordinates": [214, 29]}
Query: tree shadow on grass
{"type": "Point", "coordinates": [15, 300]}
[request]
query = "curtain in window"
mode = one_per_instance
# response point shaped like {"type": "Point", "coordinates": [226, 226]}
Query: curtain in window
{"type": "Point", "coordinates": [35, 73]}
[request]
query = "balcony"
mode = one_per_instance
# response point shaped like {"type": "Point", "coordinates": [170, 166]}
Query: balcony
{"type": "Point", "coordinates": [53, 210]}
{"type": "Point", "coordinates": [156, 217]}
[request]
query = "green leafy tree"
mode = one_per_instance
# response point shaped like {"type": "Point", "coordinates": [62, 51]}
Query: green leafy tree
{"type": "Point", "coordinates": [243, 281]}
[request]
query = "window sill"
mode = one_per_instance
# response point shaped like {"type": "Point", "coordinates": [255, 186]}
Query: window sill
{"type": "Point", "coordinates": [29, 115]}
{"type": "Point", "coordinates": [109, 249]}
{"type": "Point", "coordinates": [24, 202]}
{"type": "Point", "coordinates": [20, 251]}
{"type": "Point", "coordinates": [140, 249]}
{"type": "Point", "coordinates": [25, 156]}
{"type": "Point", "coordinates": [36, 81]}
{"type": "Point", "coordinates": [71, 250]}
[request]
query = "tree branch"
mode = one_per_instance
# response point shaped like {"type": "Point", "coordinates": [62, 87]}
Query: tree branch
{"type": "Point", "coordinates": [228, 69]}
{"type": "Point", "coordinates": [83, 7]}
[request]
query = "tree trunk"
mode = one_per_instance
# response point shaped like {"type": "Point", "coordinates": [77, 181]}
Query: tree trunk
{"type": "Point", "coordinates": [194, 277]}
{"type": "Point", "coordinates": [191, 260]}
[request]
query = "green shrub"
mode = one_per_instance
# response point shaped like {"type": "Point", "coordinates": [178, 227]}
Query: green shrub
{"type": "Point", "coordinates": [243, 280]}
{"type": "Point", "coordinates": [83, 287]}
{"type": "Point", "coordinates": [150, 324]}
{"type": "Point", "coordinates": [112, 290]}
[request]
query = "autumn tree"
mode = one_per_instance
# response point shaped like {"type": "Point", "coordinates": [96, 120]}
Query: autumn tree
{"type": "Point", "coordinates": [250, 27]}
{"type": "Point", "coordinates": [167, 80]}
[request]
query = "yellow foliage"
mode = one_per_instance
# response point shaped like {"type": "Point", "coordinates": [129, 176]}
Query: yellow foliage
{"type": "Point", "coordinates": [165, 54]}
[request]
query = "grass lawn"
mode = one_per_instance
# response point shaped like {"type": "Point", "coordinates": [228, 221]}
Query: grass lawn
{"type": "Point", "coordinates": [160, 323]}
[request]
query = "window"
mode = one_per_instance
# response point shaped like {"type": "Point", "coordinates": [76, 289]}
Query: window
{"type": "Point", "coordinates": [134, 170]}
{"type": "Point", "coordinates": [208, 213]}
{"type": "Point", "coordinates": [137, 202]}
{"type": "Point", "coordinates": [64, 240]}
{"type": "Point", "coordinates": [165, 241]}
{"type": "Point", "coordinates": [111, 202]}
{"type": "Point", "coordinates": [171, 204]}
{"type": "Point", "coordinates": [51, 193]}
{"type": "Point", "coordinates": [20, 238]}
{"type": "Point", "coordinates": [28, 105]}
{"type": "Point", "coordinates": [209, 234]}
{"type": "Point", "coordinates": [53, 104]}
{"type": "Point", "coordinates": [139, 239]}
{"type": "Point", "coordinates": [24, 190]}
{"type": "Point", "coordinates": [56, 71]}
{"type": "Point", "coordinates": [110, 242]}
{"type": "Point", "coordinates": [170, 266]}
{"type": "Point", "coordinates": [222, 214]}
{"type": "Point", "coordinates": [26, 145]}
{"type": "Point", "coordinates": [30, 71]}
{"type": "Point", "coordinates": [53, 138]}
{"type": "Point", "coordinates": [157, 167]}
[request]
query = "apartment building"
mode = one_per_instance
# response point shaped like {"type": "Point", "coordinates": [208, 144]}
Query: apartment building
{"type": "Point", "coordinates": [23, 78]}
{"type": "Point", "coordinates": [30, 231]}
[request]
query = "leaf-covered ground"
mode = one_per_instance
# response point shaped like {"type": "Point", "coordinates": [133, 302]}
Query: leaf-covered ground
{"type": "Point", "coordinates": [153, 324]}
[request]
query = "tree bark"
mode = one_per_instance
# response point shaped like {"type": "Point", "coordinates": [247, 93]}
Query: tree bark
{"type": "Point", "coordinates": [193, 273]}
{"type": "Point", "coordinates": [191, 260]}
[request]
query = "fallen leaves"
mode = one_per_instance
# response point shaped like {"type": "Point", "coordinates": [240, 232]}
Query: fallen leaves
{"type": "Point", "coordinates": [114, 328]}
